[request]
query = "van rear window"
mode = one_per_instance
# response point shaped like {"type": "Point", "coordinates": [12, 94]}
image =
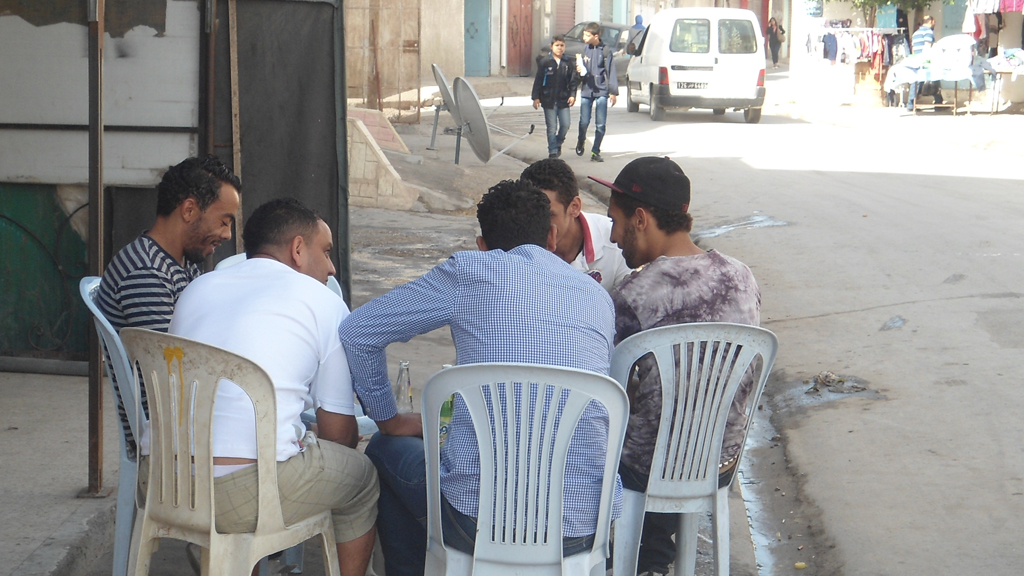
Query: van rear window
{"type": "Point", "coordinates": [736, 37]}
{"type": "Point", "coordinates": [691, 36]}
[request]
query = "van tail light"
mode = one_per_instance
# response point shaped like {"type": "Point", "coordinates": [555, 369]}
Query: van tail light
{"type": "Point", "coordinates": [760, 78]}
{"type": "Point", "coordinates": [663, 76]}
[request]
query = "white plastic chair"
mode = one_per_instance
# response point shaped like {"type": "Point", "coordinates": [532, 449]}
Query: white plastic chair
{"type": "Point", "coordinates": [528, 535]}
{"type": "Point", "coordinates": [181, 376]}
{"type": "Point", "coordinates": [126, 388]}
{"type": "Point", "coordinates": [332, 282]}
{"type": "Point", "coordinates": [230, 261]}
{"type": "Point", "coordinates": [712, 359]}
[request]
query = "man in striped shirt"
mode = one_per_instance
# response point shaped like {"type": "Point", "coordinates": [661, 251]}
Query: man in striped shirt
{"type": "Point", "coordinates": [922, 40]}
{"type": "Point", "coordinates": [196, 204]}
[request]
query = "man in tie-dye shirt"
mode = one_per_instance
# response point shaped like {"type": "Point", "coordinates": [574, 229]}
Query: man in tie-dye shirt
{"type": "Point", "coordinates": [678, 283]}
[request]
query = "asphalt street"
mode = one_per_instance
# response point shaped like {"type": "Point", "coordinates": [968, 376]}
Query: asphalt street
{"type": "Point", "coordinates": [888, 252]}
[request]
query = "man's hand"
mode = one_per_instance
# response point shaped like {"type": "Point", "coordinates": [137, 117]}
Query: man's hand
{"type": "Point", "coordinates": [408, 424]}
{"type": "Point", "coordinates": [572, 100]}
{"type": "Point", "coordinates": [613, 98]}
{"type": "Point", "coordinates": [536, 104]}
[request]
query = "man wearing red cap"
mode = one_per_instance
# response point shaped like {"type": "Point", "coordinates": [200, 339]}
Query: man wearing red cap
{"type": "Point", "coordinates": [679, 283]}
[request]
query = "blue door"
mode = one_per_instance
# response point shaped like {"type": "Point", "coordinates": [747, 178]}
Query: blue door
{"type": "Point", "coordinates": [478, 37]}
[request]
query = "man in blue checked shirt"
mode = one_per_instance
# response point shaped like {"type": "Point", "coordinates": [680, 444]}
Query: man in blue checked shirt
{"type": "Point", "coordinates": [513, 301]}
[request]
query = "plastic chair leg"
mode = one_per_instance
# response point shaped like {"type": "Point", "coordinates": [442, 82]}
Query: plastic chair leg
{"type": "Point", "coordinates": [686, 544]}
{"type": "Point", "coordinates": [330, 551]}
{"type": "Point", "coordinates": [720, 528]}
{"type": "Point", "coordinates": [125, 519]}
{"type": "Point", "coordinates": [627, 533]}
{"type": "Point", "coordinates": [293, 557]}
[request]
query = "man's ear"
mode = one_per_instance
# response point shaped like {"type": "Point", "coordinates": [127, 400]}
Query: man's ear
{"type": "Point", "coordinates": [552, 238]}
{"type": "Point", "coordinates": [189, 210]}
{"type": "Point", "coordinates": [297, 251]}
{"type": "Point", "coordinates": [480, 244]}
{"type": "Point", "coordinates": [642, 218]}
{"type": "Point", "coordinates": [575, 207]}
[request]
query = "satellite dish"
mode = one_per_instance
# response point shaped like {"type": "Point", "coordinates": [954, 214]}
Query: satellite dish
{"type": "Point", "coordinates": [446, 94]}
{"type": "Point", "coordinates": [473, 117]}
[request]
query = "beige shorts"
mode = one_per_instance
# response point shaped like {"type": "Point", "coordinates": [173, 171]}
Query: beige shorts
{"type": "Point", "coordinates": [326, 476]}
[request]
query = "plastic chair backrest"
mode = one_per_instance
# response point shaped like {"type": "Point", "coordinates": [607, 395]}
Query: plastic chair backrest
{"type": "Point", "coordinates": [527, 530]}
{"type": "Point", "coordinates": [230, 261]}
{"type": "Point", "coordinates": [181, 376]}
{"type": "Point", "coordinates": [127, 386]}
{"type": "Point", "coordinates": [701, 366]}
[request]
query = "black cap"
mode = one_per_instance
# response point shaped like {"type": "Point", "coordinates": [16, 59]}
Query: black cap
{"type": "Point", "coordinates": [657, 181]}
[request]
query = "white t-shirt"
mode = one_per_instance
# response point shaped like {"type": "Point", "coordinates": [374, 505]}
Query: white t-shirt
{"type": "Point", "coordinates": [600, 259]}
{"type": "Point", "coordinates": [287, 323]}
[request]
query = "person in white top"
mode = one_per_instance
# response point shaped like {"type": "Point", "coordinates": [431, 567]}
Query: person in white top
{"type": "Point", "coordinates": [584, 239]}
{"type": "Point", "coordinates": [275, 309]}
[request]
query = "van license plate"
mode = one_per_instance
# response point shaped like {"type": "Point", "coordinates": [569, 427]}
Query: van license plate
{"type": "Point", "coordinates": [691, 85]}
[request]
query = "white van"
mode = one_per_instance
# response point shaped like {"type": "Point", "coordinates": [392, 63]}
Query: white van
{"type": "Point", "coordinates": [699, 58]}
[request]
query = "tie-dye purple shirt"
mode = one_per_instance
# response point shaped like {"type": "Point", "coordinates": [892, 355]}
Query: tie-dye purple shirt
{"type": "Point", "coordinates": [709, 287]}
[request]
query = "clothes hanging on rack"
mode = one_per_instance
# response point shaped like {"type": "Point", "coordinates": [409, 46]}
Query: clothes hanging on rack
{"type": "Point", "coordinates": [1011, 5]}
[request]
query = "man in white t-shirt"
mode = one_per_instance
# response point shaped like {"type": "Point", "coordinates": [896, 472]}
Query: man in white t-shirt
{"type": "Point", "coordinates": [584, 239]}
{"type": "Point", "coordinates": [276, 310]}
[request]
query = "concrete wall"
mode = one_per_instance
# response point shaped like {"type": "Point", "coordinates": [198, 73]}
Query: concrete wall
{"type": "Point", "coordinates": [372, 181]}
{"type": "Point", "coordinates": [149, 80]}
{"type": "Point", "coordinates": [442, 39]}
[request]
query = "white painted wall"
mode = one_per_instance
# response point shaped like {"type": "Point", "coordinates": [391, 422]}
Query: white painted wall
{"type": "Point", "coordinates": [148, 81]}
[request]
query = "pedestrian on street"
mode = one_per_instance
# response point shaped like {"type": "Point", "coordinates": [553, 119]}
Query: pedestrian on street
{"type": "Point", "coordinates": [923, 39]}
{"type": "Point", "coordinates": [776, 35]}
{"type": "Point", "coordinates": [554, 88]}
{"type": "Point", "coordinates": [596, 67]}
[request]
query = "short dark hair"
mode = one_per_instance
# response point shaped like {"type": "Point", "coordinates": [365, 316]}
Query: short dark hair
{"type": "Point", "coordinates": [593, 27]}
{"type": "Point", "coordinates": [514, 213]}
{"type": "Point", "coordinates": [668, 221]}
{"type": "Point", "coordinates": [558, 38]}
{"type": "Point", "coordinates": [196, 178]}
{"type": "Point", "coordinates": [276, 222]}
{"type": "Point", "coordinates": [555, 175]}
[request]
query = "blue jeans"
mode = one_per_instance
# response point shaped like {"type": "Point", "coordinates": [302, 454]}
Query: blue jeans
{"type": "Point", "coordinates": [915, 88]}
{"type": "Point", "coordinates": [402, 509]}
{"type": "Point", "coordinates": [600, 104]}
{"type": "Point", "coordinates": [557, 121]}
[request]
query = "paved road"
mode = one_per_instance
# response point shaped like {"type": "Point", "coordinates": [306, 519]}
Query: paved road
{"type": "Point", "coordinates": [888, 250]}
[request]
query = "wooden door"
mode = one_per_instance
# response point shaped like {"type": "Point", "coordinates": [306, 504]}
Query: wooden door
{"type": "Point", "coordinates": [520, 37]}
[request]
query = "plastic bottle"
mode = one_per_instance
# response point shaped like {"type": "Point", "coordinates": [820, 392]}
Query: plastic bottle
{"type": "Point", "coordinates": [403, 388]}
{"type": "Point", "coordinates": [446, 418]}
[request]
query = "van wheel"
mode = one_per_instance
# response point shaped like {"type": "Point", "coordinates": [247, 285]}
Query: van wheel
{"type": "Point", "coordinates": [631, 106]}
{"type": "Point", "coordinates": [718, 111]}
{"type": "Point", "coordinates": [657, 112]}
{"type": "Point", "coordinates": [752, 115]}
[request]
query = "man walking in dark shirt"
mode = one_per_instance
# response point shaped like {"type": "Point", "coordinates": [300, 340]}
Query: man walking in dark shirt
{"type": "Point", "coordinates": [596, 67]}
{"type": "Point", "coordinates": [554, 88]}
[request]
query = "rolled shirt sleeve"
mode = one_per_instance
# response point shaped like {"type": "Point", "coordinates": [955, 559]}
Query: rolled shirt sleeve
{"type": "Point", "coordinates": [409, 310]}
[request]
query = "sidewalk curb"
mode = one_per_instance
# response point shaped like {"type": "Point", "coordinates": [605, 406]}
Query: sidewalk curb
{"type": "Point", "coordinates": [79, 541]}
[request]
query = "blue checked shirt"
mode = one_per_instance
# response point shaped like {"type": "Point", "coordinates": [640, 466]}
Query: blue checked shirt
{"type": "Point", "coordinates": [525, 305]}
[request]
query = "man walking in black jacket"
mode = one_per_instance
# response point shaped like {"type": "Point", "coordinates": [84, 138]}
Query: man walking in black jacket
{"type": "Point", "coordinates": [596, 67]}
{"type": "Point", "coordinates": [554, 88]}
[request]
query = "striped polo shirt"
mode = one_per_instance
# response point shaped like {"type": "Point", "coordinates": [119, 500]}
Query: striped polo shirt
{"type": "Point", "coordinates": [923, 37]}
{"type": "Point", "coordinates": [139, 289]}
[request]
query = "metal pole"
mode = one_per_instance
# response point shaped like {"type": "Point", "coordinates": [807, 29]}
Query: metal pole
{"type": "Point", "coordinates": [96, 11]}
